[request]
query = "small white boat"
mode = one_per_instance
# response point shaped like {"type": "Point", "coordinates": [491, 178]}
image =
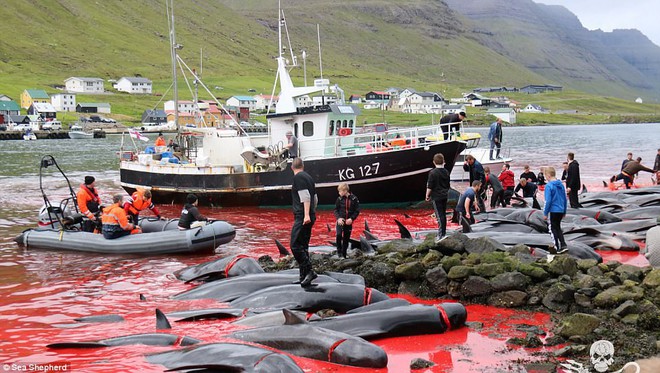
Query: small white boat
{"type": "Point", "coordinates": [29, 136]}
{"type": "Point", "coordinates": [482, 155]}
{"type": "Point", "coordinates": [77, 132]}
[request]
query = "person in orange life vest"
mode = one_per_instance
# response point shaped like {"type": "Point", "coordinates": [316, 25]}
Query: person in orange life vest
{"type": "Point", "coordinates": [115, 221]}
{"type": "Point", "coordinates": [160, 140]}
{"type": "Point", "coordinates": [140, 200]}
{"type": "Point", "coordinates": [89, 203]}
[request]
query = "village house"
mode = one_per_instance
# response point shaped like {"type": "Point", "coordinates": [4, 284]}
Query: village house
{"type": "Point", "coordinates": [242, 102]}
{"type": "Point", "coordinates": [184, 106]}
{"type": "Point", "coordinates": [506, 114]}
{"type": "Point", "coordinates": [5, 98]}
{"type": "Point", "coordinates": [133, 85]}
{"type": "Point", "coordinates": [63, 101]}
{"type": "Point", "coordinates": [262, 102]}
{"type": "Point", "coordinates": [378, 96]}
{"type": "Point", "coordinates": [154, 117]}
{"type": "Point", "coordinates": [475, 99]}
{"type": "Point", "coordinates": [30, 96]}
{"type": "Point", "coordinates": [533, 108]}
{"type": "Point", "coordinates": [45, 111]}
{"type": "Point", "coordinates": [355, 99]}
{"type": "Point", "coordinates": [540, 88]}
{"type": "Point", "coordinates": [8, 108]}
{"type": "Point", "coordinates": [87, 107]}
{"type": "Point", "coordinates": [495, 89]}
{"type": "Point", "coordinates": [452, 109]}
{"type": "Point", "coordinates": [84, 85]}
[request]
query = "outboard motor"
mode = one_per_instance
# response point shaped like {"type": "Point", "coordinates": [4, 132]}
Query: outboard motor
{"type": "Point", "coordinates": [52, 217]}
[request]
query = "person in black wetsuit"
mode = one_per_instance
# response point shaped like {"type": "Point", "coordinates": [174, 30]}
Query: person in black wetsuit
{"type": "Point", "coordinates": [453, 123]}
{"type": "Point", "coordinates": [573, 183]}
{"type": "Point", "coordinates": [303, 194]}
{"type": "Point", "coordinates": [347, 209]}
{"type": "Point", "coordinates": [190, 215]}
{"type": "Point", "coordinates": [437, 191]}
{"type": "Point", "coordinates": [529, 192]}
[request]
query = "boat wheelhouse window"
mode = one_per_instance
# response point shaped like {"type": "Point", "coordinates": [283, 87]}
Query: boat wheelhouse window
{"type": "Point", "coordinates": [332, 128]}
{"type": "Point", "coordinates": [345, 123]}
{"type": "Point", "coordinates": [308, 128]}
{"type": "Point", "coordinates": [350, 123]}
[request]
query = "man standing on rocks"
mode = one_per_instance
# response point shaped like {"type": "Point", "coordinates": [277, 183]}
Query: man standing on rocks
{"type": "Point", "coordinates": [437, 190]}
{"type": "Point", "coordinates": [555, 208]}
{"type": "Point", "coordinates": [303, 194]}
{"type": "Point", "coordinates": [573, 182]}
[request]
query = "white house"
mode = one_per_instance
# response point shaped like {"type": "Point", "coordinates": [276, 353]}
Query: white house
{"type": "Point", "coordinates": [43, 110]}
{"type": "Point", "coordinates": [242, 102]}
{"type": "Point", "coordinates": [533, 108]}
{"type": "Point", "coordinates": [453, 109]}
{"type": "Point", "coordinates": [133, 85]}
{"type": "Point", "coordinates": [5, 98]}
{"type": "Point", "coordinates": [639, 100]}
{"type": "Point", "coordinates": [406, 92]}
{"type": "Point", "coordinates": [262, 101]}
{"type": "Point", "coordinates": [63, 101]}
{"type": "Point", "coordinates": [506, 114]}
{"type": "Point", "coordinates": [184, 106]}
{"type": "Point", "coordinates": [425, 102]}
{"type": "Point", "coordinates": [84, 85]}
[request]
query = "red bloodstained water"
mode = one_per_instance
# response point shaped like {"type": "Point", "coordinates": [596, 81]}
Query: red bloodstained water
{"type": "Point", "coordinates": [42, 291]}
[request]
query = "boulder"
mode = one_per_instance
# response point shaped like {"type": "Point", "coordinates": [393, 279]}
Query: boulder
{"type": "Point", "coordinates": [563, 265]}
{"type": "Point", "coordinates": [449, 261]}
{"type": "Point", "coordinates": [451, 245]}
{"type": "Point", "coordinates": [460, 272]}
{"type": "Point", "coordinates": [411, 287]}
{"type": "Point", "coordinates": [629, 272]}
{"type": "Point", "coordinates": [409, 271]}
{"type": "Point", "coordinates": [559, 297]}
{"type": "Point", "coordinates": [475, 286]}
{"type": "Point", "coordinates": [510, 281]}
{"type": "Point", "coordinates": [489, 269]}
{"type": "Point", "coordinates": [419, 363]}
{"type": "Point", "coordinates": [585, 264]}
{"type": "Point", "coordinates": [483, 245]}
{"type": "Point", "coordinates": [625, 308]}
{"type": "Point", "coordinates": [652, 279]}
{"type": "Point", "coordinates": [535, 272]}
{"type": "Point", "coordinates": [431, 258]}
{"type": "Point", "coordinates": [511, 298]}
{"type": "Point", "coordinates": [616, 295]}
{"type": "Point", "coordinates": [579, 324]}
{"type": "Point", "coordinates": [438, 280]}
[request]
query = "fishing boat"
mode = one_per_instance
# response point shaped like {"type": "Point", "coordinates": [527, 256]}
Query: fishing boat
{"type": "Point", "coordinates": [482, 155]}
{"type": "Point", "coordinates": [77, 132]}
{"type": "Point", "coordinates": [29, 135]}
{"type": "Point", "coordinates": [227, 166]}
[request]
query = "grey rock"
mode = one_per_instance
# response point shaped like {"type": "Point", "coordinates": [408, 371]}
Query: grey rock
{"type": "Point", "coordinates": [616, 295]}
{"type": "Point", "coordinates": [489, 269]}
{"type": "Point", "coordinates": [419, 363]}
{"type": "Point", "coordinates": [625, 308]}
{"type": "Point", "coordinates": [583, 301]}
{"type": "Point", "coordinates": [629, 272]}
{"type": "Point", "coordinates": [511, 298]}
{"type": "Point", "coordinates": [510, 281]}
{"type": "Point", "coordinates": [438, 280]}
{"type": "Point", "coordinates": [483, 245]}
{"type": "Point", "coordinates": [563, 265]}
{"type": "Point", "coordinates": [409, 271]}
{"type": "Point", "coordinates": [460, 272]}
{"type": "Point", "coordinates": [579, 324]}
{"type": "Point", "coordinates": [475, 286]}
{"type": "Point", "coordinates": [559, 297]}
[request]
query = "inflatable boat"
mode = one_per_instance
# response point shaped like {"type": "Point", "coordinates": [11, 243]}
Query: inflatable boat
{"type": "Point", "coordinates": [162, 238]}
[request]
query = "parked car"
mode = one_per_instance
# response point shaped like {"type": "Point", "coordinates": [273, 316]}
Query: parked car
{"type": "Point", "coordinates": [101, 119]}
{"type": "Point", "coordinates": [53, 125]}
{"type": "Point", "coordinates": [22, 127]}
{"type": "Point", "coordinates": [3, 127]}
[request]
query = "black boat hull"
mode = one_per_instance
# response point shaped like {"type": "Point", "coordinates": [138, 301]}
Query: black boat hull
{"type": "Point", "coordinates": [391, 177]}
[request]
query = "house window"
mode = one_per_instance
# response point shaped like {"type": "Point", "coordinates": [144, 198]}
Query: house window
{"type": "Point", "coordinates": [308, 128]}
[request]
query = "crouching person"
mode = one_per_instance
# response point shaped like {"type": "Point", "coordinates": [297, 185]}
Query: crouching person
{"type": "Point", "coordinates": [190, 216]}
{"type": "Point", "coordinates": [115, 221]}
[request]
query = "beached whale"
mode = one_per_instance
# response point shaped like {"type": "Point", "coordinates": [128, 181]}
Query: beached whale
{"type": "Point", "coordinates": [300, 338]}
{"type": "Point", "coordinates": [271, 318]}
{"type": "Point", "coordinates": [230, 266]}
{"type": "Point", "coordinates": [148, 339]}
{"type": "Point", "coordinates": [413, 319]}
{"type": "Point", "coordinates": [225, 357]}
{"type": "Point", "coordinates": [325, 295]}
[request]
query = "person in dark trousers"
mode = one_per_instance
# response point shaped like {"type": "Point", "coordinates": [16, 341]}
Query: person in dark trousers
{"type": "Point", "coordinates": [564, 171]}
{"type": "Point", "coordinates": [629, 157]}
{"type": "Point", "coordinates": [555, 209]}
{"type": "Point", "coordinates": [476, 171]}
{"type": "Point", "coordinates": [467, 204]}
{"type": "Point", "coordinates": [656, 167]}
{"type": "Point", "coordinates": [347, 209]}
{"type": "Point", "coordinates": [507, 178]}
{"type": "Point", "coordinates": [497, 197]}
{"type": "Point", "coordinates": [190, 215]}
{"type": "Point", "coordinates": [437, 191]}
{"type": "Point", "coordinates": [292, 144]}
{"type": "Point", "coordinates": [452, 123]}
{"type": "Point", "coordinates": [573, 182]}
{"type": "Point", "coordinates": [495, 137]}
{"type": "Point", "coordinates": [89, 204]}
{"type": "Point", "coordinates": [528, 174]}
{"type": "Point", "coordinates": [630, 170]}
{"type": "Point", "coordinates": [303, 194]}
{"type": "Point", "coordinates": [529, 190]}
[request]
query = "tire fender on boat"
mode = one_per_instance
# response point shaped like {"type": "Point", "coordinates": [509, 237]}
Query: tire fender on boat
{"type": "Point", "coordinates": [344, 131]}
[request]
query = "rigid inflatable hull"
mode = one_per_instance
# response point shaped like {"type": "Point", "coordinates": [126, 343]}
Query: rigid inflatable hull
{"type": "Point", "coordinates": [197, 240]}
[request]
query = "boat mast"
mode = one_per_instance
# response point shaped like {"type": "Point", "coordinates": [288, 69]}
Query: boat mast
{"type": "Point", "coordinates": [173, 48]}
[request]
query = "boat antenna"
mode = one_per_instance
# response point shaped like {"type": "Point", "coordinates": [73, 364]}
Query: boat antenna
{"type": "Point", "coordinates": [304, 58]}
{"type": "Point", "coordinates": [318, 35]}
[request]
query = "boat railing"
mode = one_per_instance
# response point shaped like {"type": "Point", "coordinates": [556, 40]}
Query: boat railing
{"type": "Point", "coordinates": [391, 139]}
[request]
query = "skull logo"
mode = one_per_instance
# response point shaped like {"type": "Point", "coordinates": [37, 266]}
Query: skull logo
{"type": "Point", "coordinates": [602, 355]}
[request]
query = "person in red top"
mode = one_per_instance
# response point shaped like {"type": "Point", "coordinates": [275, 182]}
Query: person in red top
{"type": "Point", "coordinates": [140, 200]}
{"type": "Point", "coordinates": [160, 140]}
{"type": "Point", "coordinates": [507, 178]}
{"type": "Point", "coordinates": [89, 203]}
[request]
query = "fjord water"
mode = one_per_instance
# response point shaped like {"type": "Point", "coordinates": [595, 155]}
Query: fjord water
{"type": "Point", "coordinates": [42, 291]}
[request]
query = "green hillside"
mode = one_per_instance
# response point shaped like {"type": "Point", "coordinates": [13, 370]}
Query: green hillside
{"type": "Point", "coordinates": [367, 45]}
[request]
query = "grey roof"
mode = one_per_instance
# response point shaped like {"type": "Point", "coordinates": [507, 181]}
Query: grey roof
{"type": "Point", "coordinates": [85, 79]}
{"type": "Point", "coordinates": [452, 107]}
{"type": "Point", "coordinates": [135, 79]}
{"type": "Point", "coordinates": [94, 104]}
{"type": "Point", "coordinates": [345, 109]}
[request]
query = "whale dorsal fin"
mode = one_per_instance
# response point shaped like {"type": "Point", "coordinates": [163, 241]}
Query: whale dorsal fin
{"type": "Point", "coordinates": [291, 318]}
{"type": "Point", "coordinates": [283, 251]}
{"type": "Point", "coordinates": [161, 320]}
{"type": "Point", "coordinates": [403, 231]}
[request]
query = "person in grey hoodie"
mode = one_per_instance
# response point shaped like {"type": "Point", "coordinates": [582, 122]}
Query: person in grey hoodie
{"type": "Point", "coordinates": [555, 208]}
{"type": "Point", "coordinates": [497, 197]}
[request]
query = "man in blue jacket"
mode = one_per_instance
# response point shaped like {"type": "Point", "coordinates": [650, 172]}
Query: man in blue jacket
{"type": "Point", "coordinates": [555, 208]}
{"type": "Point", "coordinates": [495, 137]}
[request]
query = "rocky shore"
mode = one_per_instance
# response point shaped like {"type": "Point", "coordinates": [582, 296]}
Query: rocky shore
{"type": "Point", "coordinates": [588, 301]}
